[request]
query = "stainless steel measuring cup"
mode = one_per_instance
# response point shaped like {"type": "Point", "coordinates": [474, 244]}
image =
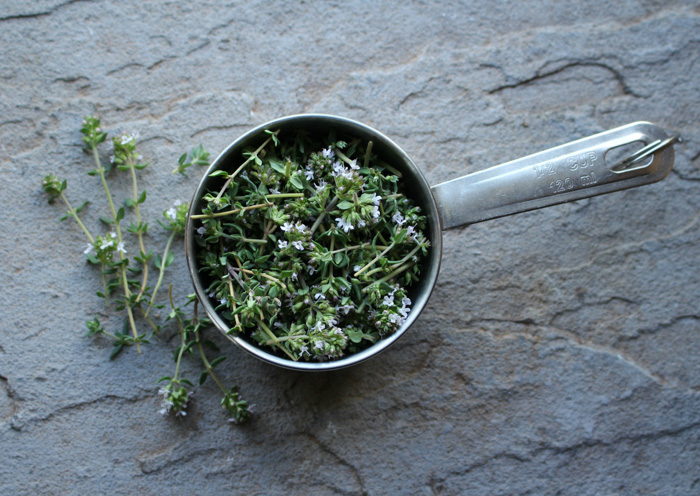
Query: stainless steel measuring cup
{"type": "Point", "coordinates": [573, 171]}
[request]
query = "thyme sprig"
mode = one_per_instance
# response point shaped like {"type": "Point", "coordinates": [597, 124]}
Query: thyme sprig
{"type": "Point", "coordinates": [309, 246]}
{"type": "Point", "coordinates": [127, 283]}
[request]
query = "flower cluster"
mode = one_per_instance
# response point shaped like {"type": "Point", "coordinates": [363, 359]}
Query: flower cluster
{"type": "Point", "coordinates": [236, 406]}
{"type": "Point", "coordinates": [176, 217]}
{"type": "Point", "coordinates": [53, 186]}
{"type": "Point", "coordinates": [175, 399]}
{"type": "Point", "coordinates": [125, 154]}
{"type": "Point", "coordinates": [103, 248]}
{"type": "Point", "coordinates": [309, 247]}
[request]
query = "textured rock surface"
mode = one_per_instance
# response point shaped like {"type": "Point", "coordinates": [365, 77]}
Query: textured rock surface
{"type": "Point", "coordinates": [560, 353]}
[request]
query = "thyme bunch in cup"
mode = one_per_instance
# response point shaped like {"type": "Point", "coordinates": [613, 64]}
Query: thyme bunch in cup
{"type": "Point", "coordinates": [309, 245]}
{"type": "Point", "coordinates": [126, 265]}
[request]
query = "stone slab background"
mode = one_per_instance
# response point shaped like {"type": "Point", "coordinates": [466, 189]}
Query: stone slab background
{"type": "Point", "coordinates": [560, 352]}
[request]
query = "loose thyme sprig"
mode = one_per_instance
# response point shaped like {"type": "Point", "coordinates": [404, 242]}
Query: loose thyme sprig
{"type": "Point", "coordinates": [93, 135]}
{"type": "Point", "coordinates": [307, 251]}
{"type": "Point", "coordinates": [110, 252]}
{"type": "Point", "coordinates": [175, 395]}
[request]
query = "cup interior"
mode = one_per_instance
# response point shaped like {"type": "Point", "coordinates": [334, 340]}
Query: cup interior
{"type": "Point", "coordinates": [413, 182]}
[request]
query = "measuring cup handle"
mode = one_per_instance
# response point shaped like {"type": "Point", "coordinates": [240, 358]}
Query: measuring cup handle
{"type": "Point", "coordinates": [569, 172]}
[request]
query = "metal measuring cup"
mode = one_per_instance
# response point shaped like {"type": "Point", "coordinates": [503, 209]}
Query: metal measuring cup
{"type": "Point", "coordinates": [569, 172]}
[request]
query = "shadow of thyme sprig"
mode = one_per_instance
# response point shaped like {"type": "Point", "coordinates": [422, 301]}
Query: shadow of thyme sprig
{"type": "Point", "coordinates": [310, 245]}
{"type": "Point", "coordinates": [125, 285]}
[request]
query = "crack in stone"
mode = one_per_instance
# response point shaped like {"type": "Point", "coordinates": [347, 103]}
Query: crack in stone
{"type": "Point", "coordinates": [216, 128]}
{"type": "Point", "coordinates": [80, 405]}
{"type": "Point", "coordinates": [577, 63]}
{"type": "Point", "coordinates": [633, 244]}
{"type": "Point", "coordinates": [578, 343]}
{"type": "Point", "coordinates": [531, 456]}
{"type": "Point", "coordinates": [131, 64]}
{"type": "Point", "coordinates": [33, 15]}
{"type": "Point", "coordinates": [144, 462]}
{"type": "Point", "coordinates": [664, 325]}
{"type": "Point", "coordinates": [340, 460]}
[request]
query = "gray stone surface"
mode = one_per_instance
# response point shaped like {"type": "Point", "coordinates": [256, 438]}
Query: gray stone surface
{"type": "Point", "coordinates": [560, 352]}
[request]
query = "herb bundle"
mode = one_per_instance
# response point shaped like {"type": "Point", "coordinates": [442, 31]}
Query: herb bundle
{"type": "Point", "coordinates": [308, 246]}
{"type": "Point", "coordinates": [125, 266]}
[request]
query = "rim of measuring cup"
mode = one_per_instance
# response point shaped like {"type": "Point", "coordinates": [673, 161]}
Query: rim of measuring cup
{"type": "Point", "coordinates": [414, 182]}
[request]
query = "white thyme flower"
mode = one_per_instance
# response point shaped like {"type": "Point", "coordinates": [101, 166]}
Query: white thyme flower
{"type": "Point", "coordinates": [304, 349]}
{"type": "Point", "coordinates": [328, 153]}
{"type": "Point", "coordinates": [309, 174]}
{"type": "Point", "coordinates": [322, 184]}
{"type": "Point", "coordinates": [376, 199]}
{"type": "Point", "coordinates": [411, 232]}
{"type": "Point", "coordinates": [287, 226]}
{"type": "Point", "coordinates": [319, 296]}
{"type": "Point", "coordinates": [298, 245]}
{"type": "Point", "coordinates": [300, 227]}
{"type": "Point", "coordinates": [201, 231]}
{"type": "Point", "coordinates": [375, 212]}
{"type": "Point", "coordinates": [344, 225]}
{"type": "Point", "coordinates": [89, 248]}
{"type": "Point", "coordinates": [274, 191]}
{"type": "Point", "coordinates": [338, 169]}
{"type": "Point", "coordinates": [282, 244]}
{"type": "Point", "coordinates": [398, 219]}
{"type": "Point", "coordinates": [388, 300]}
{"type": "Point", "coordinates": [106, 244]}
{"type": "Point", "coordinates": [128, 137]}
{"type": "Point", "coordinates": [171, 213]}
{"type": "Point", "coordinates": [111, 159]}
{"type": "Point", "coordinates": [319, 345]}
{"type": "Point", "coordinates": [120, 247]}
{"type": "Point", "coordinates": [353, 164]}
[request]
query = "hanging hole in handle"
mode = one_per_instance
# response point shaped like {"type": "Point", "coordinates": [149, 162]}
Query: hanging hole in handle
{"type": "Point", "coordinates": [617, 155]}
